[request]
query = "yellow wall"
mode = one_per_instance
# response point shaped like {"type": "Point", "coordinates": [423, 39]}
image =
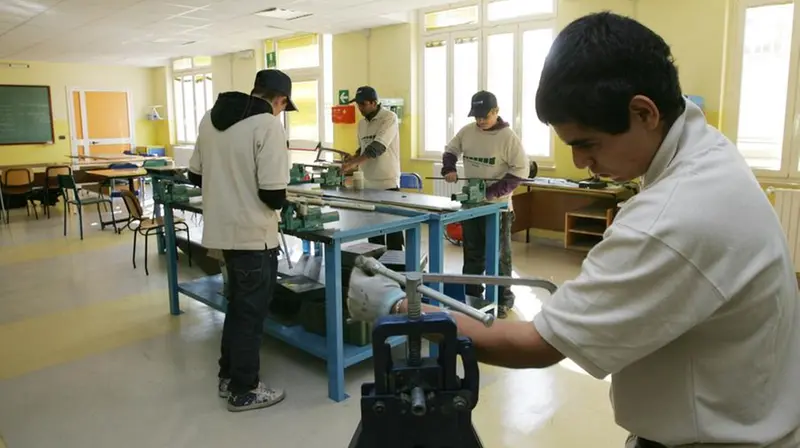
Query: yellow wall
{"type": "Point", "coordinates": [695, 29]}
{"type": "Point", "coordinates": [60, 77]}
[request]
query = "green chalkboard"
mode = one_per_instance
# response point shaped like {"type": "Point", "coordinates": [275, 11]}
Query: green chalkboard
{"type": "Point", "coordinates": [26, 115]}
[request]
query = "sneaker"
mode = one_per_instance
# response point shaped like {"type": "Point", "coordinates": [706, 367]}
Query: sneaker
{"type": "Point", "coordinates": [224, 384]}
{"type": "Point", "coordinates": [260, 397]}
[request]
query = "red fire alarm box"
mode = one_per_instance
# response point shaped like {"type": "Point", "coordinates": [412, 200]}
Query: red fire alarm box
{"type": "Point", "coordinates": [344, 114]}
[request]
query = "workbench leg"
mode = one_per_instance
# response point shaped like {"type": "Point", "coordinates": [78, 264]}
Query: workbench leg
{"type": "Point", "coordinates": [157, 207]}
{"type": "Point", "coordinates": [172, 262]}
{"type": "Point", "coordinates": [306, 247]}
{"type": "Point", "coordinates": [334, 321]}
{"type": "Point", "coordinates": [492, 254]}
{"type": "Point", "coordinates": [435, 266]}
{"type": "Point", "coordinates": [412, 249]}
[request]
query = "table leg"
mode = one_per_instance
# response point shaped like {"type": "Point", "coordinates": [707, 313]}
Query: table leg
{"type": "Point", "coordinates": [435, 266]}
{"type": "Point", "coordinates": [492, 253]}
{"type": "Point", "coordinates": [412, 249]}
{"type": "Point", "coordinates": [528, 229]}
{"type": "Point", "coordinates": [157, 207]}
{"type": "Point", "coordinates": [334, 322]}
{"type": "Point", "coordinates": [172, 262]}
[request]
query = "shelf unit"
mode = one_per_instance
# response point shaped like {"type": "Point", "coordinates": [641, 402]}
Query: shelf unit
{"type": "Point", "coordinates": [583, 228]}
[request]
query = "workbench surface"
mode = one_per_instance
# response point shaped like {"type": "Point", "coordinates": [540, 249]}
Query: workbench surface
{"type": "Point", "coordinates": [389, 198]}
{"type": "Point", "coordinates": [349, 220]}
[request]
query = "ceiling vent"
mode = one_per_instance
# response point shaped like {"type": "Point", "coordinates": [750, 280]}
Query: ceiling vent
{"type": "Point", "coordinates": [283, 14]}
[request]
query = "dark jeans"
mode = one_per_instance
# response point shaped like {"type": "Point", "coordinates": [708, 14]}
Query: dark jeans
{"type": "Point", "coordinates": [392, 241]}
{"type": "Point", "coordinates": [474, 245]}
{"type": "Point", "coordinates": [252, 275]}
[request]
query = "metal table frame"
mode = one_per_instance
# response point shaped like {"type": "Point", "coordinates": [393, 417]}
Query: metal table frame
{"type": "Point", "coordinates": [338, 356]}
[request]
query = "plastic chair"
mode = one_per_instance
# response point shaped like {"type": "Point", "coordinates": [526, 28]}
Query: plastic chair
{"type": "Point", "coordinates": [411, 181]}
{"type": "Point", "coordinates": [51, 183]}
{"type": "Point", "coordinates": [67, 183]}
{"type": "Point", "coordinates": [148, 227]}
{"type": "Point", "coordinates": [19, 182]}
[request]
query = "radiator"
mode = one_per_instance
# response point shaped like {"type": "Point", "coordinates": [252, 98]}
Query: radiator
{"type": "Point", "coordinates": [442, 188]}
{"type": "Point", "coordinates": [787, 206]}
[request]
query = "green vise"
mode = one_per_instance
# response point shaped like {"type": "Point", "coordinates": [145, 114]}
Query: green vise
{"type": "Point", "coordinates": [182, 193]}
{"type": "Point", "coordinates": [298, 175]}
{"type": "Point", "coordinates": [472, 193]}
{"type": "Point", "coordinates": [305, 218]}
{"type": "Point", "coordinates": [332, 177]}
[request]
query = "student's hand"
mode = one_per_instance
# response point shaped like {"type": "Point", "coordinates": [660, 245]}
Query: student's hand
{"type": "Point", "coordinates": [370, 297]}
{"type": "Point", "coordinates": [451, 177]}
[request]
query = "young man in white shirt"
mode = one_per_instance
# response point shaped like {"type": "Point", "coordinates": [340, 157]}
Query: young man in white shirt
{"type": "Point", "coordinates": [378, 153]}
{"type": "Point", "coordinates": [490, 150]}
{"type": "Point", "coordinates": [242, 163]}
{"type": "Point", "coordinates": [690, 302]}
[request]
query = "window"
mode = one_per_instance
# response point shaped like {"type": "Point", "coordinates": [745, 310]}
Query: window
{"type": "Point", "coordinates": [464, 53]}
{"type": "Point", "coordinates": [307, 59]}
{"type": "Point", "coordinates": [193, 94]}
{"type": "Point", "coordinates": [765, 87]}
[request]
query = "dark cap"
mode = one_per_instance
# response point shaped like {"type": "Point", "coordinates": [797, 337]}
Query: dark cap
{"type": "Point", "coordinates": [364, 94]}
{"type": "Point", "coordinates": [482, 103]}
{"type": "Point", "coordinates": [276, 81]}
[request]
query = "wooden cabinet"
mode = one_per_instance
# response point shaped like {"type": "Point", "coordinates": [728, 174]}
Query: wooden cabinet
{"type": "Point", "coordinates": [583, 228]}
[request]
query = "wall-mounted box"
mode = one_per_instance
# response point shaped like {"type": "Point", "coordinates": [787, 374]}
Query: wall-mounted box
{"type": "Point", "coordinates": [395, 105]}
{"type": "Point", "coordinates": [344, 114]}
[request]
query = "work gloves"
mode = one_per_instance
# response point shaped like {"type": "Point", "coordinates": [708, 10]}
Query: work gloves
{"type": "Point", "coordinates": [370, 297]}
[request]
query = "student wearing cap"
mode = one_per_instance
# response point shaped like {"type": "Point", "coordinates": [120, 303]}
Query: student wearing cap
{"type": "Point", "coordinates": [690, 302]}
{"type": "Point", "coordinates": [490, 150]}
{"type": "Point", "coordinates": [242, 163]}
{"type": "Point", "coordinates": [378, 153]}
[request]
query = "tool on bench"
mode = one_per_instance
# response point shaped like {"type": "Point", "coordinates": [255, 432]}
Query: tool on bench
{"type": "Point", "coordinates": [324, 174]}
{"type": "Point", "coordinates": [320, 149]}
{"type": "Point", "coordinates": [474, 192]}
{"type": "Point", "coordinates": [422, 402]}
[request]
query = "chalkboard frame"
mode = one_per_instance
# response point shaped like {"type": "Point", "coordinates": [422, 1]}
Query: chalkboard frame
{"type": "Point", "coordinates": [49, 104]}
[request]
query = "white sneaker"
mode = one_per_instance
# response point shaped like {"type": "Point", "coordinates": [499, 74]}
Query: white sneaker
{"type": "Point", "coordinates": [260, 397]}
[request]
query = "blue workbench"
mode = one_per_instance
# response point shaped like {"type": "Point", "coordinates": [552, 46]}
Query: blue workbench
{"type": "Point", "coordinates": [352, 226]}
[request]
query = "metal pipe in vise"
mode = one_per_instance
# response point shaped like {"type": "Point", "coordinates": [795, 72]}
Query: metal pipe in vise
{"type": "Point", "coordinates": [373, 266]}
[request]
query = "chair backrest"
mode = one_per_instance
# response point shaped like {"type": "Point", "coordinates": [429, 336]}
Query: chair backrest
{"type": "Point", "coordinates": [52, 172]}
{"type": "Point", "coordinates": [132, 204]}
{"type": "Point", "coordinates": [17, 177]}
{"type": "Point", "coordinates": [411, 181]}
{"type": "Point", "coordinates": [152, 163]}
{"type": "Point", "coordinates": [67, 182]}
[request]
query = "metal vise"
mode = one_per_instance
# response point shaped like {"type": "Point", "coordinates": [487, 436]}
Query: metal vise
{"type": "Point", "coordinates": [472, 193]}
{"type": "Point", "coordinates": [182, 193]}
{"type": "Point", "coordinates": [332, 177]}
{"type": "Point", "coordinates": [305, 218]}
{"type": "Point", "coordinates": [298, 174]}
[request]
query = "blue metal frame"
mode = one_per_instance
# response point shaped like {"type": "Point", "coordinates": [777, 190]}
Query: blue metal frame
{"type": "Point", "coordinates": [330, 348]}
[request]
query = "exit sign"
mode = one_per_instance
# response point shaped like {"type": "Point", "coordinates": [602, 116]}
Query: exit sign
{"type": "Point", "coordinates": [344, 97]}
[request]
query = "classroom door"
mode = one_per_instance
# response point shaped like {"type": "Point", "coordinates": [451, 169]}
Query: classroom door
{"type": "Point", "coordinates": [102, 124]}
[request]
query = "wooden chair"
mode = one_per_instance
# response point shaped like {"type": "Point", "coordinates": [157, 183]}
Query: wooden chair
{"type": "Point", "coordinates": [67, 184]}
{"type": "Point", "coordinates": [19, 182]}
{"type": "Point", "coordinates": [51, 184]}
{"type": "Point", "coordinates": [148, 227]}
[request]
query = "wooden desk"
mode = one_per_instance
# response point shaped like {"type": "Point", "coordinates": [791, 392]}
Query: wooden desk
{"type": "Point", "coordinates": [546, 203]}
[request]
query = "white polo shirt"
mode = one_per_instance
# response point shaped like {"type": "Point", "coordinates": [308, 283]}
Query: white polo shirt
{"type": "Point", "coordinates": [382, 172]}
{"type": "Point", "coordinates": [235, 164]}
{"type": "Point", "coordinates": [691, 303]}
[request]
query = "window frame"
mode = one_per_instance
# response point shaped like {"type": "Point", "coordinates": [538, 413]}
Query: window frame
{"type": "Point", "coordinates": [482, 30]}
{"type": "Point", "coordinates": [205, 70]}
{"type": "Point", "coordinates": [323, 75]}
{"type": "Point", "coordinates": [790, 154]}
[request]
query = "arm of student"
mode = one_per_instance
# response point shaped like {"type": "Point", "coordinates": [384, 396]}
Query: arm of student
{"type": "Point", "coordinates": [518, 169]}
{"type": "Point", "coordinates": [196, 161]}
{"type": "Point", "coordinates": [272, 165]}
{"type": "Point", "coordinates": [451, 153]}
{"type": "Point", "coordinates": [634, 295]}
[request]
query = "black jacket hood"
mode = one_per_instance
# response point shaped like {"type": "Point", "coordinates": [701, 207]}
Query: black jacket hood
{"type": "Point", "coordinates": [233, 107]}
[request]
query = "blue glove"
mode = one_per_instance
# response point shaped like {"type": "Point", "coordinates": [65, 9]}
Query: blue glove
{"type": "Point", "coordinates": [370, 297]}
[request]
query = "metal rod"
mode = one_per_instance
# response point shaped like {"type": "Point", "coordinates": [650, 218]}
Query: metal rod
{"type": "Point", "coordinates": [373, 266]}
{"type": "Point", "coordinates": [418, 405]}
{"type": "Point", "coordinates": [286, 250]}
{"type": "Point", "coordinates": [489, 280]}
{"type": "Point", "coordinates": [487, 179]}
{"type": "Point", "coordinates": [329, 203]}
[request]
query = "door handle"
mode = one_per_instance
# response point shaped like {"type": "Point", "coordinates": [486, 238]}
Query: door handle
{"type": "Point", "coordinates": [94, 142]}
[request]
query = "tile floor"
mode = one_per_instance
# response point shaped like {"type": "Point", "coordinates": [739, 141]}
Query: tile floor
{"type": "Point", "coordinates": [92, 358]}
